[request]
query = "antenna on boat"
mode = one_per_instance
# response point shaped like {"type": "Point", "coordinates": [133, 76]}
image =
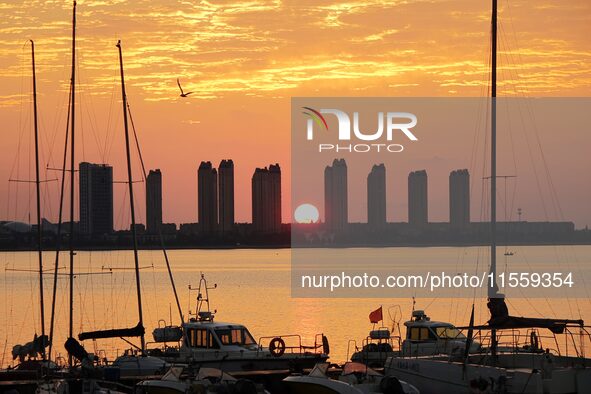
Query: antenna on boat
{"type": "Point", "coordinates": [131, 201]}
{"type": "Point", "coordinates": [203, 298]}
{"type": "Point", "coordinates": [38, 197]}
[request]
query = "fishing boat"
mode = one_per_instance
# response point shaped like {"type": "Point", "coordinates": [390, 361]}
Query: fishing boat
{"type": "Point", "coordinates": [355, 378]}
{"type": "Point", "coordinates": [205, 342]}
{"type": "Point", "coordinates": [424, 337]}
{"type": "Point", "coordinates": [509, 360]}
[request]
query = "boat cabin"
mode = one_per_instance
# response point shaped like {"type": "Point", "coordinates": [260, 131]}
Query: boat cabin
{"type": "Point", "coordinates": [425, 337]}
{"type": "Point", "coordinates": [218, 336]}
{"type": "Point", "coordinates": [420, 329]}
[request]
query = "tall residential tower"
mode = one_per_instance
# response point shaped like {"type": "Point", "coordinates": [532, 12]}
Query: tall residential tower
{"type": "Point", "coordinates": [266, 199]}
{"type": "Point", "coordinates": [336, 205]}
{"type": "Point", "coordinates": [96, 199]}
{"type": "Point", "coordinates": [376, 196]}
{"type": "Point", "coordinates": [226, 195]}
{"type": "Point", "coordinates": [207, 199]}
{"type": "Point", "coordinates": [154, 202]}
{"type": "Point", "coordinates": [459, 198]}
{"type": "Point", "coordinates": [418, 214]}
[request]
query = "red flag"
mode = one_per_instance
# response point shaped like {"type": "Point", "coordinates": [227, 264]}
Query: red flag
{"type": "Point", "coordinates": [376, 315]}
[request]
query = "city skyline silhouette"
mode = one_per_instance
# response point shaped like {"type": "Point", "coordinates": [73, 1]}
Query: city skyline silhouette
{"type": "Point", "coordinates": [247, 67]}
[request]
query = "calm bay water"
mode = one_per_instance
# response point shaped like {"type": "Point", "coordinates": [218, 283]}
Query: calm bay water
{"type": "Point", "coordinates": [253, 288]}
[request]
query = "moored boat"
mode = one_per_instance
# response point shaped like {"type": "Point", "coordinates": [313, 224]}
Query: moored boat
{"type": "Point", "coordinates": [355, 378]}
{"type": "Point", "coordinates": [204, 342]}
{"type": "Point", "coordinates": [424, 337]}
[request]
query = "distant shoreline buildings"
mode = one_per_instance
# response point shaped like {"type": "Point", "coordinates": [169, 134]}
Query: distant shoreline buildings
{"type": "Point", "coordinates": [216, 225]}
{"type": "Point", "coordinates": [215, 203]}
{"type": "Point", "coordinates": [336, 230]}
{"type": "Point", "coordinates": [336, 197]}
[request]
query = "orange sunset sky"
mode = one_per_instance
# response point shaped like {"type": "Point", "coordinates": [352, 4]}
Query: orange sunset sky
{"type": "Point", "coordinates": [244, 60]}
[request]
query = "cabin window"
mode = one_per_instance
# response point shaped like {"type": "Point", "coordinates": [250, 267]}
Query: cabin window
{"type": "Point", "coordinates": [424, 333]}
{"type": "Point", "coordinates": [419, 333]}
{"type": "Point", "coordinates": [211, 342]}
{"type": "Point", "coordinates": [448, 332]}
{"type": "Point", "coordinates": [202, 338]}
{"type": "Point", "coordinates": [235, 336]}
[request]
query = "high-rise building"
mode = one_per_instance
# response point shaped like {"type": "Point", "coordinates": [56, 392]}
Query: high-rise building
{"type": "Point", "coordinates": [266, 199]}
{"type": "Point", "coordinates": [207, 199]}
{"type": "Point", "coordinates": [336, 195]}
{"type": "Point", "coordinates": [154, 202]}
{"type": "Point", "coordinates": [417, 198]}
{"type": "Point", "coordinates": [459, 198]}
{"type": "Point", "coordinates": [376, 196]}
{"type": "Point", "coordinates": [96, 199]}
{"type": "Point", "coordinates": [226, 195]}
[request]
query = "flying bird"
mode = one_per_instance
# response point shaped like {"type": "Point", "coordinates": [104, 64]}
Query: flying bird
{"type": "Point", "coordinates": [183, 94]}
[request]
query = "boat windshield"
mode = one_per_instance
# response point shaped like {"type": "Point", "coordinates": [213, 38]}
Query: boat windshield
{"type": "Point", "coordinates": [319, 370]}
{"type": "Point", "coordinates": [449, 332]}
{"type": "Point", "coordinates": [235, 336]}
{"type": "Point", "coordinates": [358, 368]}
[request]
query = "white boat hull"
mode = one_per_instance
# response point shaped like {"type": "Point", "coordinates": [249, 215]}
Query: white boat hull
{"type": "Point", "coordinates": [433, 376]}
{"type": "Point", "coordinates": [441, 377]}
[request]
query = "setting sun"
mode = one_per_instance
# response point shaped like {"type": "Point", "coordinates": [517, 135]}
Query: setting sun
{"type": "Point", "coordinates": [306, 213]}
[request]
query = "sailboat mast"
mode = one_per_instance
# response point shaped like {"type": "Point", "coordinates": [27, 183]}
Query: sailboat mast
{"type": "Point", "coordinates": [72, 178]}
{"type": "Point", "coordinates": [59, 234]}
{"type": "Point", "coordinates": [38, 192]}
{"type": "Point", "coordinates": [131, 201]}
{"type": "Point", "coordinates": [493, 153]}
{"type": "Point", "coordinates": [493, 291]}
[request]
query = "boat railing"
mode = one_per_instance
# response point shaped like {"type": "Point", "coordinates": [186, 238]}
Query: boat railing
{"type": "Point", "coordinates": [292, 343]}
{"type": "Point", "coordinates": [382, 346]}
{"type": "Point", "coordinates": [393, 341]}
{"type": "Point", "coordinates": [516, 340]}
{"type": "Point", "coordinates": [353, 343]}
{"type": "Point", "coordinates": [584, 340]}
{"type": "Point", "coordinates": [163, 348]}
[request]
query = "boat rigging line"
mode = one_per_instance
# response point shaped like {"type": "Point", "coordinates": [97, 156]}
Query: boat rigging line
{"type": "Point", "coordinates": [160, 236]}
{"type": "Point", "coordinates": [131, 201]}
